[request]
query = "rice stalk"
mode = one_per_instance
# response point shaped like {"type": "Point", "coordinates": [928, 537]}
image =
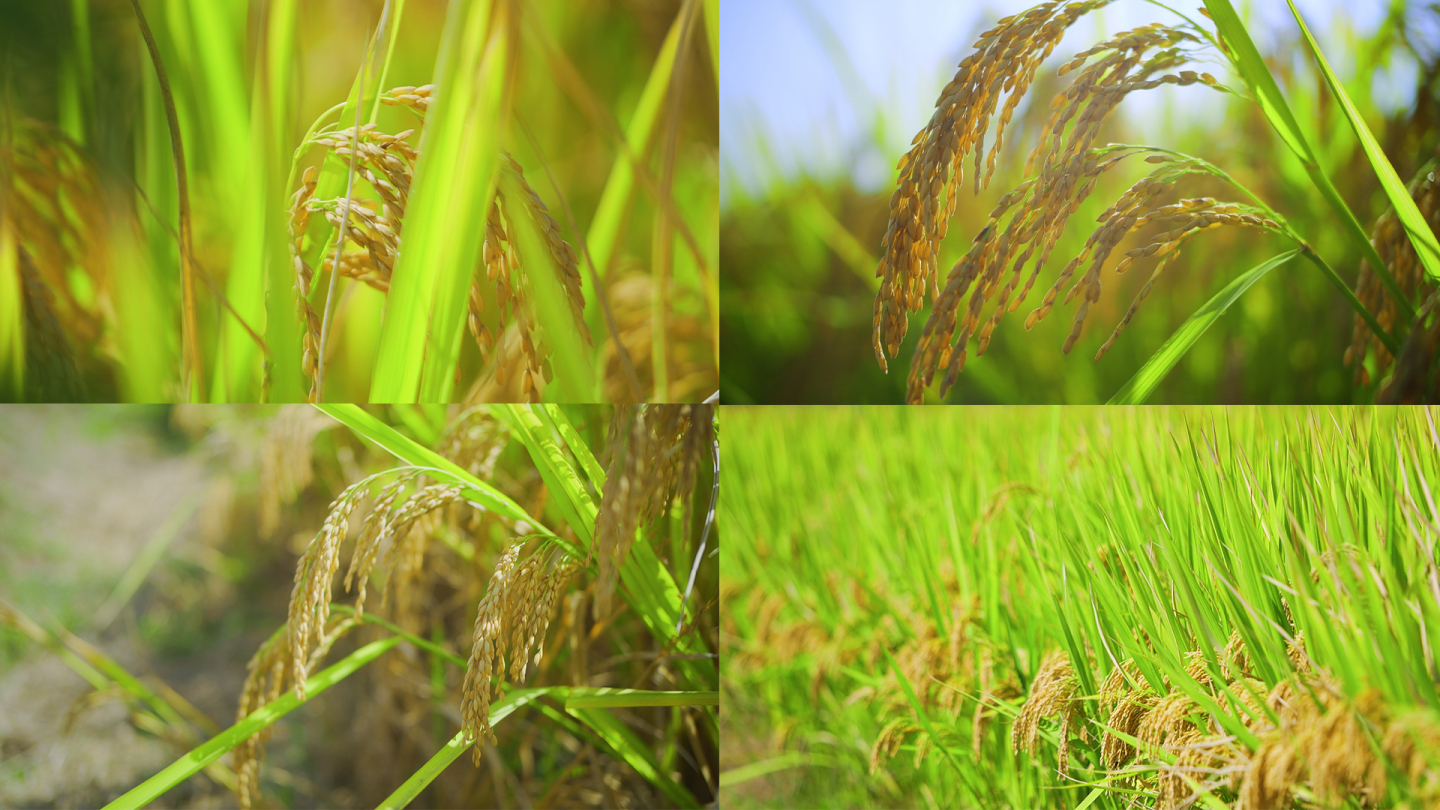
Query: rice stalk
{"type": "Point", "coordinates": [193, 372]}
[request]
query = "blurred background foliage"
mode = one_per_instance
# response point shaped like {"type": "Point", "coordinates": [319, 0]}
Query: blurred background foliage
{"type": "Point", "coordinates": [800, 239]}
{"type": "Point", "coordinates": [82, 109]}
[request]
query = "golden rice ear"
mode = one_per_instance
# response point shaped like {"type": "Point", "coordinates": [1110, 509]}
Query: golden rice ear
{"type": "Point", "coordinates": [520, 597]}
{"type": "Point", "coordinates": [1053, 692]}
{"type": "Point", "coordinates": [1396, 249]}
{"type": "Point", "coordinates": [285, 455]}
{"type": "Point", "coordinates": [655, 451]}
{"type": "Point", "coordinates": [1005, 61]}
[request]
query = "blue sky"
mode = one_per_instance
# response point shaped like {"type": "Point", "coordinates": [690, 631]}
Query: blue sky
{"type": "Point", "coordinates": [781, 87]}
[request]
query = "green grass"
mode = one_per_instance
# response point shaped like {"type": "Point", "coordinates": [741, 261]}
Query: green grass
{"type": "Point", "coordinates": [1109, 534]}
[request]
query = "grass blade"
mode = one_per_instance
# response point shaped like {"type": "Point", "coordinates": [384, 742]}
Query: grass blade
{"type": "Point", "coordinates": [458, 745]}
{"type": "Point", "coordinates": [560, 477]}
{"type": "Point", "coordinates": [12, 323]}
{"type": "Point", "coordinates": [193, 372]}
{"type": "Point", "coordinates": [454, 183]}
{"type": "Point", "coordinates": [556, 422]}
{"type": "Point", "coordinates": [1143, 384]}
{"type": "Point", "coordinates": [1257, 77]}
{"type": "Point", "coordinates": [599, 698]}
{"type": "Point", "coordinates": [633, 750]}
{"type": "Point", "coordinates": [765, 767]}
{"type": "Point", "coordinates": [649, 586]}
{"type": "Point", "coordinates": [1415, 225]}
{"type": "Point", "coordinates": [144, 563]}
{"type": "Point", "coordinates": [604, 235]}
{"type": "Point", "coordinates": [188, 765]}
{"type": "Point", "coordinates": [281, 333]}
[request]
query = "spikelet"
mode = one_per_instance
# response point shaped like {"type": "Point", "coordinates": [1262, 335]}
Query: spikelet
{"type": "Point", "coordinates": [655, 451]}
{"type": "Point", "coordinates": [520, 597]}
{"type": "Point", "coordinates": [1272, 771]}
{"type": "Point", "coordinates": [269, 673]}
{"type": "Point", "coordinates": [1123, 708]}
{"type": "Point", "coordinates": [1052, 693]}
{"type": "Point", "coordinates": [1398, 252]}
{"type": "Point", "coordinates": [887, 745]}
{"type": "Point", "coordinates": [1007, 58]}
{"type": "Point", "coordinates": [285, 467]}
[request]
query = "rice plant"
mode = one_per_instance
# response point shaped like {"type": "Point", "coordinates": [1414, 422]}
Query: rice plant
{"type": "Point", "coordinates": [537, 589]}
{"type": "Point", "coordinates": [1064, 168]}
{"type": "Point", "coordinates": [1082, 608]}
{"type": "Point", "coordinates": [271, 201]}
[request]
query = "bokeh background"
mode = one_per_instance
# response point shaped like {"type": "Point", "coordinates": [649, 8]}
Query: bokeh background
{"type": "Point", "coordinates": [819, 100]}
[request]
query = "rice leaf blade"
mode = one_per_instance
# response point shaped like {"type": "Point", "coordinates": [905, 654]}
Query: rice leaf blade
{"type": "Point", "coordinates": [12, 314]}
{"type": "Point", "coordinates": [1148, 378]}
{"type": "Point", "coordinates": [1405, 209]}
{"type": "Point", "coordinates": [210, 751]}
{"type": "Point", "coordinates": [634, 751]}
{"type": "Point", "coordinates": [439, 467]}
{"type": "Point", "coordinates": [1258, 78]}
{"type": "Point", "coordinates": [602, 698]}
{"type": "Point", "coordinates": [603, 238]}
{"type": "Point", "coordinates": [436, 765]}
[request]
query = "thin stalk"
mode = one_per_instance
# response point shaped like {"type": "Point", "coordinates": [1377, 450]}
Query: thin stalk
{"type": "Point", "coordinates": [192, 367]}
{"type": "Point", "coordinates": [1390, 343]}
{"type": "Point", "coordinates": [340, 240]}
{"type": "Point", "coordinates": [664, 239]}
{"type": "Point", "coordinates": [204, 276]}
{"type": "Point", "coordinates": [574, 86]}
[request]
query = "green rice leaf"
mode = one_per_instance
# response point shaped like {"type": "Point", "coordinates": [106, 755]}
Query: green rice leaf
{"type": "Point", "coordinates": [188, 765]}
{"type": "Point", "coordinates": [1143, 384]}
{"type": "Point", "coordinates": [1257, 77]}
{"type": "Point", "coordinates": [560, 477]}
{"type": "Point", "coordinates": [436, 765]}
{"type": "Point", "coordinates": [1405, 209]}
{"type": "Point", "coordinates": [439, 467]}
{"type": "Point", "coordinates": [635, 752]}
{"type": "Point", "coordinates": [765, 767]}
{"type": "Point", "coordinates": [454, 184]}
{"type": "Point", "coordinates": [599, 698]}
{"type": "Point", "coordinates": [12, 324]}
{"type": "Point", "coordinates": [603, 238]}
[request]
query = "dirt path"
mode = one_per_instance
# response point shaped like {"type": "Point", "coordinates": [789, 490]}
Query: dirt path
{"type": "Point", "coordinates": [82, 490]}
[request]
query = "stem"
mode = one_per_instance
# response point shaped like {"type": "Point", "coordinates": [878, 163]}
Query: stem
{"type": "Point", "coordinates": [339, 242]}
{"type": "Point", "coordinates": [192, 364]}
{"type": "Point", "coordinates": [1345, 290]}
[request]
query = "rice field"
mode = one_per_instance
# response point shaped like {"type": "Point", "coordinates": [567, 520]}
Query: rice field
{"type": "Point", "coordinates": [1074, 607]}
{"type": "Point", "coordinates": [377, 201]}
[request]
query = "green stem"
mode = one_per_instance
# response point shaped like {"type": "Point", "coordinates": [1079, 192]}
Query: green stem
{"type": "Point", "coordinates": [1345, 290]}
